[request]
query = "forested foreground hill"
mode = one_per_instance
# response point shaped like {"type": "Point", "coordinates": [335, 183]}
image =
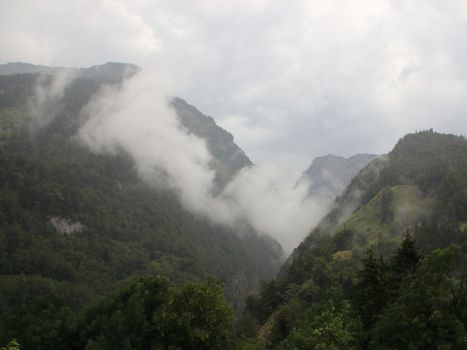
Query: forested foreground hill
{"type": "Point", "coordinates": [385, 269]}
{"type": "Point", "coordinates": [75, 226]}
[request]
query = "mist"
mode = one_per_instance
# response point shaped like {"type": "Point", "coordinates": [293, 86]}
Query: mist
{"type": "Point", "coordinates": [48, 92]}
{"type": "Point", "coordinates": [137, 119]}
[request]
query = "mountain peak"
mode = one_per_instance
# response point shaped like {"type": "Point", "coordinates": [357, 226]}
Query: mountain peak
{"type": "Point", "coordinates": [228, 158]}
{"type": "Point", "coordinates": [330, 174]}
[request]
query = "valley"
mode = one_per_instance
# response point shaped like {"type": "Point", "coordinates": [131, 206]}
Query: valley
{"type": "Point", "coordinates": [99, 248]}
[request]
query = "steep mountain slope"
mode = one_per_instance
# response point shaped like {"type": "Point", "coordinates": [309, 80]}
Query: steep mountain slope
{"type": "Point", "coordinates": [228, 157]}
{"type": "Point", "coordinates": [74, 224]}
{"type": "Point", "coordinates": [329, 175]}
{"type": "Point", "coordinates": [420, 187]}
{"type": "Point", "coordinates": [422, 178]}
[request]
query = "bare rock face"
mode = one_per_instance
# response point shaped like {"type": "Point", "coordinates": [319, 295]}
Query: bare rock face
{"type": "Point", "coordinates": [228, 158]}
{"type": "Point", "coordinates": [66, 226]}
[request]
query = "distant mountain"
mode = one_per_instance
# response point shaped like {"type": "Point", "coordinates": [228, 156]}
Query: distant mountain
{"type": "Point", "coordinates": [329, 175]}
{"type": "Point", "coordinates": [21, 67]}
{"type": "Point", "coordinates": [108, 72]}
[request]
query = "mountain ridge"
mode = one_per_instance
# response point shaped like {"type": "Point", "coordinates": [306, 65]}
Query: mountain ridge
{"type": "Point", "coordinates": [122, 227]}
{"type": "Point", "coordinates": [329, 175]}
{"type": "Point", "coordinates": [228, 158]}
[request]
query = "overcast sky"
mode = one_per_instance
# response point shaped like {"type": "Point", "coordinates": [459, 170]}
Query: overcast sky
{"type": "Point", "coordinates": [290, 79]}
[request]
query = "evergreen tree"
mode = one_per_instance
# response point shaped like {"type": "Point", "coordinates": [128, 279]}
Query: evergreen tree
{"type": "Point", "coordinates": [426, 314]}
{"type": "Point", "coordinates": [386, 206]}
{"type": "Point", "coordinates": [195, 317]}
{"type": "Point", "coordinates": [402, 264]}
{"type": "Point", "coordinates": [371, 289]}
{"type": "Point", "coordinates": [125, 320]}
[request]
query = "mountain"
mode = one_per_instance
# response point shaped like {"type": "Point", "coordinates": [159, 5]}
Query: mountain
{"type": "Point", "coordinates": [75, 225]}
{"type": "Point", "coordinates": [228, 157]}
{"type": "Point", "coordinates": [108, 72]}
{"type": "Point", "coordinates": [410, 184]}
{"type": "Point", "coordinates": [381, 260]}
{"type": "Point", "coordinates": [329, 175]}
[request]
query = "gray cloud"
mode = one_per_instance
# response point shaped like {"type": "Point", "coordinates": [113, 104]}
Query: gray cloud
{"type": "Point", "coordinates": [137, 119]}
{"type": "Point", "coordinates": [294, 79]}
{"type": "Point", "coordinates": [290, 79]}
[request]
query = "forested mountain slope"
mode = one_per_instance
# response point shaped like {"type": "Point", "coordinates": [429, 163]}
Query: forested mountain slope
{"type": "Point", "coordinates": [74, 225]}
{"type": "Point", "coordinates": [386, 267]}
{"type": "Point", "coordinates": [228, 157]}
{"type": "Point", "coordinates": [18, 88]}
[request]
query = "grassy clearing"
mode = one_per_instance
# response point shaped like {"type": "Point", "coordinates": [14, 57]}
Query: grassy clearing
{"type": "Point", "coordinates": [408, 207]}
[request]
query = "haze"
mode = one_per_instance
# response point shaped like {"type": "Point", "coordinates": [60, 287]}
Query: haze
{"type": "Point", "coordinates": [290, 80]}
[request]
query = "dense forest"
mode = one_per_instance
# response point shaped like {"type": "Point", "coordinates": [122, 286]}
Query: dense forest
{"type": "Point", "coordinates": [385, 269]}
{"type": "Point", "coordinates": [76, 226]}
{"type": "Point", "coordinates": [92, 257]}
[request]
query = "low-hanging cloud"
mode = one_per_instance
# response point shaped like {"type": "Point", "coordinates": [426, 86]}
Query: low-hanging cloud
{"type": "Point", "coordinates": [290, 79]}
{"type": "Point", "coordinates": [341, 77]}
{"type": "Point", "coordinates": [48, 93]}
{"type": "Point", "coordinates": [137, 119]}
{"type": "Point", "coordinates": [273, 203]}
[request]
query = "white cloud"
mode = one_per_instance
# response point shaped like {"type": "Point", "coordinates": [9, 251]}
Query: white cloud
{"type": "Point", "coordinates": [138, 120]}
{"type": "Point", "coordinates": [307, 77]}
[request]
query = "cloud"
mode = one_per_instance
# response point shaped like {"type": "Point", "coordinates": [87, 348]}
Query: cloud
{"type": "Point", "coordinates": [138, 120]}
{"type": "Point", "coordinates": [316, 78]}
{"type": "Point", "coordinates": [272, 202]}
{"type": "Point", "coordinates": [307, 78]}
{"type": "Point", "coordinates": [48, 93]}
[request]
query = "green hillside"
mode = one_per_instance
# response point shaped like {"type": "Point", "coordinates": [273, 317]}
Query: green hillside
{"type": "Point", "coordinates": [407, 207]}
{"type": "Point", "coordinates": [77, 226]}
{"type": "Point", "coordinates": [385, 268]}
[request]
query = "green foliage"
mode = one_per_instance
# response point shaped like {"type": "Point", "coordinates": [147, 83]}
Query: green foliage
{"type": "Point", "coordinates": [327, 325]}
{"type": "Point", "coordinates": [127, 229]}
{"type": "Point", "coordinates": [402, 264]}
{"type": "Point", "coordinates": [46, 174]}
{"type": "Point", "coordinates": [386, 214]}
{"type": "Point", "coordinates": [434, 234]}
{"type": "Point", "coordinates": [395, 298]}
{"type": "Point", "coordinates": [35, 311]}
{"type": "Point", "coordinates": [426, 174]}
{"type": "Point", "coordinates": [409, 302]}
{"type": "Point", "coordinates": [125, 320]}
{"type": "Point", "coordinates": [151, 314]}
{"type": "Point", "coordinates": [196, 317]}
{"type": "Point", "coordinates": [428, 312]}
{"type": "Point", "coordinates": [343, 240]}
{"type": "Point", "coordinates": [271, 296]}
{"type": "Point", "coordinates": [428, 158]}
{"type": "Point", "coordinates": [327, 296]}
{"type": "Point", "coordinates": [371, 289]}
{"type": "Point", "coordinates": [12, 345]}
